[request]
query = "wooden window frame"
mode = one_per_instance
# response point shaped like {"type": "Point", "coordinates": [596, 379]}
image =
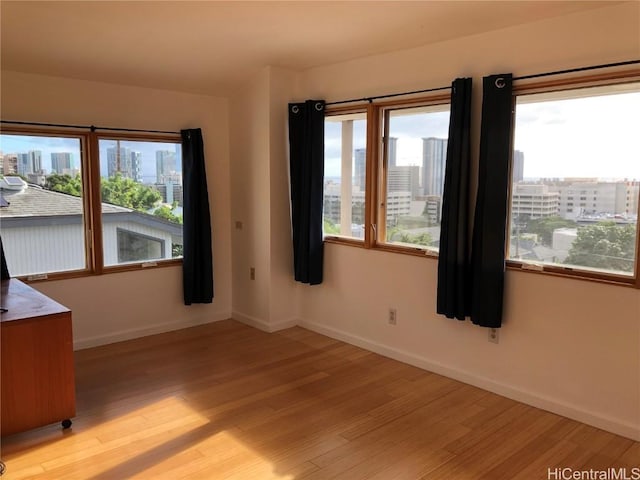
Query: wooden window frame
{"type": "Point", "coordinates": [92, 201]}
{"type": "Point", "coordinates": [560, 85]}
{"type": "Point", "coordinates": [376, 161]}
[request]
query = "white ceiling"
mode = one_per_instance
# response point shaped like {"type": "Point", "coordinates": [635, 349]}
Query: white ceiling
{"type": "Point", "coordinates": [209, 46]}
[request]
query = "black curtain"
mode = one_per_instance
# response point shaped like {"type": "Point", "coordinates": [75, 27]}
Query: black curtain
{"type": "Point", "coordinates": [197, 263]}
{"type": "Point", "coordinates": [489, 228]}
{"type": "Point", "coordinates": [306, 158]}
{"type": "Point", "coordinates": [453, 257]}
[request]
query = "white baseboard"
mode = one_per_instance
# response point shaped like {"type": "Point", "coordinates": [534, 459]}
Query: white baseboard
{"type": "Point", "coordinates": [262, 324]}
{"type": "Point", "coordinates": [145, 331]}
{"type": "Point", "coordinates": [543, 402]}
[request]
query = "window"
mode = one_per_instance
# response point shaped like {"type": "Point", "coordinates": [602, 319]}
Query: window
{"type": "Point", "coordinates": [136, 247]}
{"type": "Point", "coordinates": [141, 191]}
{"type": "Point", "coordinates": [414, 167]}
{"type": "Point", "coordinates": [384, 174]}
{"type": "Point", "coordinates": [577, 140]}
{"type": "Point", "coordinates": [345, 175]}
{"type": "Point", "coordinates": [72, 213]}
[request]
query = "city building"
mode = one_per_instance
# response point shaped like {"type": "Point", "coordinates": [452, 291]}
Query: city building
{"type": "Point", "coordinates": [170, 191]}
{"type": "Point", "coordinates": [592, 197]}
{"type": "Point", "coordinates": [9, 163]}
{"type": "Point", "coordinates": [124, 161]}
{"type": "Point", "coordinates": [404, 178]}
{"type": "Point", "coordinates": [61, 162]}
{"type": "Point", "coordinates": [29, 162]}
{"type": "Point", "coordinates": [433, 209]}
{"type": "Point", "coordinates": [392, 153]}
{"type": "Point", "coordinates": [534, 201]}
{"type": "Point", "coordinates": [360, 168]}
{"type": "Point", "coordinates": [434, 158]}
{"type": "Point", "coordinates": [517, 173]}
{"type": "Point", "coordinates": [166, 166]}
{"type": "Point", "coordinates": [398, 204]}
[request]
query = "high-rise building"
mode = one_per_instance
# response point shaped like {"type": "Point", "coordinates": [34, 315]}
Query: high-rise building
{"type": "Point", "coordinates": [360, 173]}
{"type": "Point", "coordinates": [117, 160]}
{"type": "Point", "coordinates": [392, 156]}
{"type": "Point", "coordinates": [404, 178]}
{"type": "Point", "coordinates": [135, 170]}
{"type": "Point", "coordinates": [165, 166]}
{"type": "Point", "coordinates": [61, 162]}
{"type": "Point", "coordinates": [30, 162]}
{"type": "Point", "coordinates": [434, 157]}
{"type": "Point", "coordinates": [122, 160]}
{"type": "Point", "coordinates": [517, 173]}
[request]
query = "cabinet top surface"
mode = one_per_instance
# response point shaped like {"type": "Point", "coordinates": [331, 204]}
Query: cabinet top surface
{"type": "Point", "coordinates": [22, 301]}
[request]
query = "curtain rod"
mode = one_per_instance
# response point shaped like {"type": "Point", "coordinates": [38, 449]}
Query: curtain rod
{"type": "Point", "coordinates": [371, 99]}
{"type": "Point", "coordinates": [579, 69]}
{"type": "Point", "coordinates": [93, 128]}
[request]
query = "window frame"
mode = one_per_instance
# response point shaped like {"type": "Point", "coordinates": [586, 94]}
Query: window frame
{"type": "Point", "coordinates": [376, 161]}
{"type": "Point", "coordinates": [91, 199]}
{"type": "Point", "coordinates": [573, 272]}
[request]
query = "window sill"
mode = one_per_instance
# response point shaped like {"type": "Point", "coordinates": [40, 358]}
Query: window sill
{"type": "Point", "coordinates": [383, 247]}
{"type": "Point", "coordinates": [134, 267]}
{"type": "Point", "coordinates": [575, 274]}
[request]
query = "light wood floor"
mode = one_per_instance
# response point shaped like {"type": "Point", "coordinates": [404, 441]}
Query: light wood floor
{"type": "Point", "coordinates": [228, 401]}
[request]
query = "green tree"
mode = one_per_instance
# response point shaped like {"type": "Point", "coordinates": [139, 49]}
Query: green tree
{"type": "Point", "coordinates": [544, 227]}
{"type": "Point", "coordinates": [125, 192]}
{"type": "Point", "coordinates": [604, 245]}
{"type": "Point", "coordinates": [167, 213]}
{"type": "Point", "coordinates": [423, 239]}
{"type": "Point", "coordinates": [64, 183]}
{"type": "Point", "coordinates": [330, 228]}
{"type": "Point", "coordinates": [118, 190]}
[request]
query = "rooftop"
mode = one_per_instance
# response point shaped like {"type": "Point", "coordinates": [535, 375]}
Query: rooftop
{"type": "Point", "coordinates": [35, 201]}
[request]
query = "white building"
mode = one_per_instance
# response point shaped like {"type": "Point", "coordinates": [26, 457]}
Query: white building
{"type": "Point", "coordinates": [592, 197]}
{"type": "Point", "coordinates": [562, 241]}
{"type": "Point", "coordinates": [534, 201]}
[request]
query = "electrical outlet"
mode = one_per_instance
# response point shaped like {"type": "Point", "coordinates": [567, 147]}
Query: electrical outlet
{"type": "Point", "coordinates": [494, 335]}
{"type": "Point", "coordinates": [393, 316]}
{"type": "Point", "coordinates": [252, 273]}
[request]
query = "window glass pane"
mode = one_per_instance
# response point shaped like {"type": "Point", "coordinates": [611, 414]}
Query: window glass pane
{"type": "Point", "coordinates": [576, 177]}
{"type": "Point", "coordinates": [43, 222]}
{"type": "Point", "coordinates": [345, 175]}
{"type": "Point", "coordinates": [135, 247]}
{"type": "Point", "coordinates": [141, 190]}
{"type": "Point", "coordinates": [416, 157]}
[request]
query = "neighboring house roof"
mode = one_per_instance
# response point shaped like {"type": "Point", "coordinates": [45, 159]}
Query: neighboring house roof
{"type": "Point", "coordinates": [37, 205]}
{"type": "Point", "coordinates": [37, 202]}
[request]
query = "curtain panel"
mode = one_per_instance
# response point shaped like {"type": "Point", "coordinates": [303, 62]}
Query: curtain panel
{"type": "Point", "coordinates": [197, 263]}
{"type": "Point", "coordinates": [306, 163]}
{"type": "Point", "coordinates": [453, 299]}
{"type": "Point", "coordinates": [490, 222]}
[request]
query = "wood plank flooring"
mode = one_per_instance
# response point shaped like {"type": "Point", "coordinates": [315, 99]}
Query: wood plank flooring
{"type": "Point", "coordinates": [226, 401]}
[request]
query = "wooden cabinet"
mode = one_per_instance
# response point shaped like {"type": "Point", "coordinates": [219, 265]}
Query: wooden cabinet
{"type": "Point", "coordinates": [37, 382]}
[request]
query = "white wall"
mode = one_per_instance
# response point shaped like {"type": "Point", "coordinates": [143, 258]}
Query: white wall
{"type": "Point", "coordinates": [260, 201]}
{"type": "Point", "coordinates": [249, 113]}
{"type": "Point", "coordinates": [118, 306]}
{"type": "Point", "coordinates": [569, 346]}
